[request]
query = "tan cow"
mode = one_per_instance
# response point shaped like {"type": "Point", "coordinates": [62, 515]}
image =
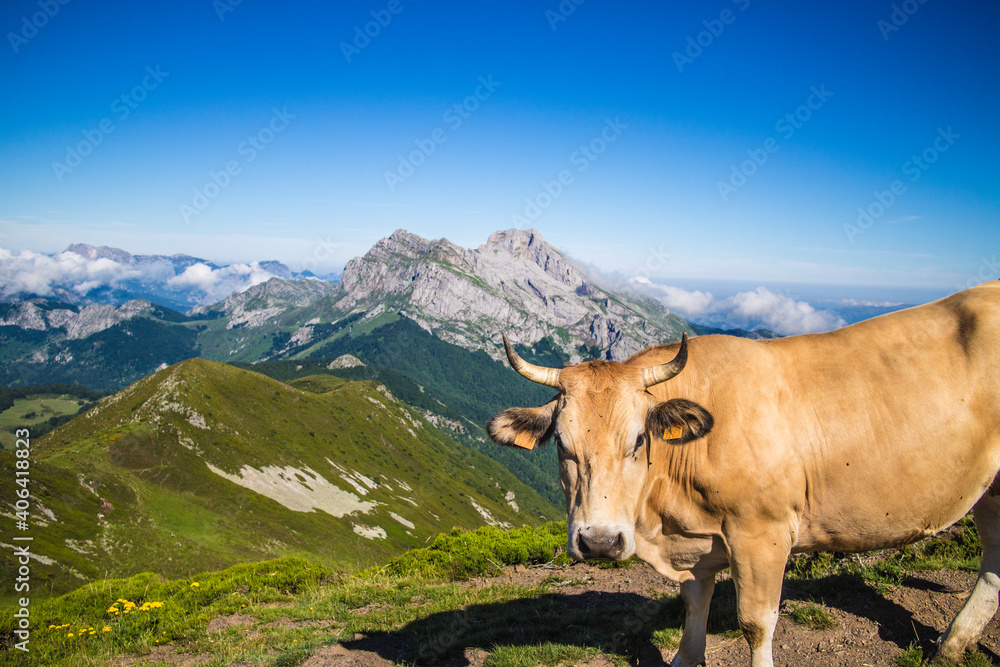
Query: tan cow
{"type": "Point", "coordinates": [872, 436]}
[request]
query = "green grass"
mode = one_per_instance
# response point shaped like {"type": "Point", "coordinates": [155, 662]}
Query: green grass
{"type": "Point", "coordinates": [911, 657]}
{"type": "Point", "coordinates": [70, 630]}
{"type": "Point", "coordinates": [462, 555]}
{"type": "Point", "coordinates": [325, 604]}
{"type": "Point", "coordinates": [811, 615]}
{"type": "Point", "coordinates": [831, 576]}
{"type": "Point", "coordinates": [417, 603]}
{"type": "Point", "coordinates": [32, 411]}
{"type": "Point", "coordinates": [542, 654]}
{"type": "Point", "coordinates": [367, 327]}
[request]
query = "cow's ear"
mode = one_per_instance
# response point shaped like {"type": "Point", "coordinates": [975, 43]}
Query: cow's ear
{"type": "Point", "coordinates": [523, 427]}
{"type": "Point", "coordinates": [679, 420]}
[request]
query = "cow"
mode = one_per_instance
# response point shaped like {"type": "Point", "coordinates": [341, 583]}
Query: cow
{"type": "Point", "coordinates": [728, 452]}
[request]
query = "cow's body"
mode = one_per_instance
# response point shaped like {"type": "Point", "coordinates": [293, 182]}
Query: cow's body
{"type": "Point", "coordinates": [872, 436]}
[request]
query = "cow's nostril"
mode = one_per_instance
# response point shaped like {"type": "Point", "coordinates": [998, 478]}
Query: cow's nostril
{"type": "Point", "coordinates": [582, 545]}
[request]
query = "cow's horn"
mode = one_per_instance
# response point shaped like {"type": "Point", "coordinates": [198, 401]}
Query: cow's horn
{"type": "Point", "coordinates": [663, 372]}
{"type": "Point", "coordinates": [546, 376]}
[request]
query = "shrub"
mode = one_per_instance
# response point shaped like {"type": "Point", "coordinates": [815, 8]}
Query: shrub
{"type": "Point", "coordinates": [462, 555]}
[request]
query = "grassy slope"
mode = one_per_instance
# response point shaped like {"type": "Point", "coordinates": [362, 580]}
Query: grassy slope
{"type": "Point", "coordinates": [414, 600]}
{"type": "Point", "coordinates": [127, 494]}
{"type": "Point", "coordinates": [448, 380]}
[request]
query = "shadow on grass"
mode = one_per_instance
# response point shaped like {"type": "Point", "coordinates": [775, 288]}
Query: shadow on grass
{"type": "Point", "coordinates": [626, 625]}
{"type": "Point", "coordinates": [567, 625]}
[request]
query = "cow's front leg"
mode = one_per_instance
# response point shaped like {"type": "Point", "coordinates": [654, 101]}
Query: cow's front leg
{"type": "Point", "coordinates": [697, 596]}
{"type": "Point", "coordinates": [758, 565]}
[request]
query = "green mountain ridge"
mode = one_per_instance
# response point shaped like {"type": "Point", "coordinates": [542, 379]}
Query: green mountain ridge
{"type": "Point", "coordinates": [202, 465]}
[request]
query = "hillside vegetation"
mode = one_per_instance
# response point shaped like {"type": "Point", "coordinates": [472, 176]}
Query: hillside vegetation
{"type": "Point", "coordinates": [203, 465]}
{"type": "Point", "coordinates": [439, 604]}
{"type": "Point", "coordinates": [464, 387]}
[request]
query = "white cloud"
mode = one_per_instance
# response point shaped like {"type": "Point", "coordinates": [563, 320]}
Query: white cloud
{"type": "Point", "coordinates": [781, 314]}
{"type": "Point", "coordinates": [44, 275]}
{"type": "Point", "coordinates": [217, 284]}
{"type": "Point", "coordinates": [67, 275]}
{"type": "Point", "coordinates": [759, 308]}
{"type": "Point", "coordinates": [680, 300]}
{"type": "Point", "coordinates": [198, 276]}
{"type": "Point", "coordinates": [881, 304]}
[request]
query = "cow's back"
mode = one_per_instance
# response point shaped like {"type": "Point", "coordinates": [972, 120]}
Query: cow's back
{"type": "Point", "coordinates": [869, 436]}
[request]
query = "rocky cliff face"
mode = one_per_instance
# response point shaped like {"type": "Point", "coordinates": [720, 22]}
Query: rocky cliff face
{"type": "Point", "coordinates": [274, 296]}
{"type": "Point", "coordinates": [516, 282]}
{"type": "Point", "coordinates": [39, 315]}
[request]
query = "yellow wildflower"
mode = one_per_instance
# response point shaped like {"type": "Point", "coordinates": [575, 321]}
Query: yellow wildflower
{"type": "Point", "coordinates": [195, 584]}
{"type": "Point", "coordinates": [105, 629]}
{"type": "Point", "coordinates": [70, 634]}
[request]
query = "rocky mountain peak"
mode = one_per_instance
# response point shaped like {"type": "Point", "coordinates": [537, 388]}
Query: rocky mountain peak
{"type": "Point", "coordinates": [101, 252]}
{"type": "Point", "coordinates": [528, 246]}
{"type": "Point", "coordinates": [402, 244]}
{"type": "Point", "coordinates": [515, 242]}
{"type": "Point", "coordinates": [515, 282]}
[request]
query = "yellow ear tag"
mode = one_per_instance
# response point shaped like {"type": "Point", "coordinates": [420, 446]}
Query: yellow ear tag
{"type": "Point", "coordinates": [525, 440]}
{"type": "Point", "coordinates": [673, 433]}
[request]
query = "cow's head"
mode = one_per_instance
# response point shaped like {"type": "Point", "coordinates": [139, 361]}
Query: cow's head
{"type": "Point", "coordinates": [602, 420]}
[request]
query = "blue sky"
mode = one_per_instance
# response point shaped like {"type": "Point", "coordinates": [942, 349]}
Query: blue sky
{"type": "Point", "coordinates": [728, 140]}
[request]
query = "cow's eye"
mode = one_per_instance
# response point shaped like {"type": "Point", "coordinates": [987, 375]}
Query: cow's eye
{"type": "Point", "coordinates": [640, 442]}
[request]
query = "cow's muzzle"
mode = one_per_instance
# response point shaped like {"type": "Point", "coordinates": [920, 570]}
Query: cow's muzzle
{"type": "Point", "coordinates": [600, 545]}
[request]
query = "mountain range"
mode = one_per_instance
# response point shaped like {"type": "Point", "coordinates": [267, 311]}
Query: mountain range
{"type": "Point", "coordinates": [84, 274]}
{"type": "Point", "coordinates": [421, 318]}
{"type": "Point", "coordinates": [516, 282]}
